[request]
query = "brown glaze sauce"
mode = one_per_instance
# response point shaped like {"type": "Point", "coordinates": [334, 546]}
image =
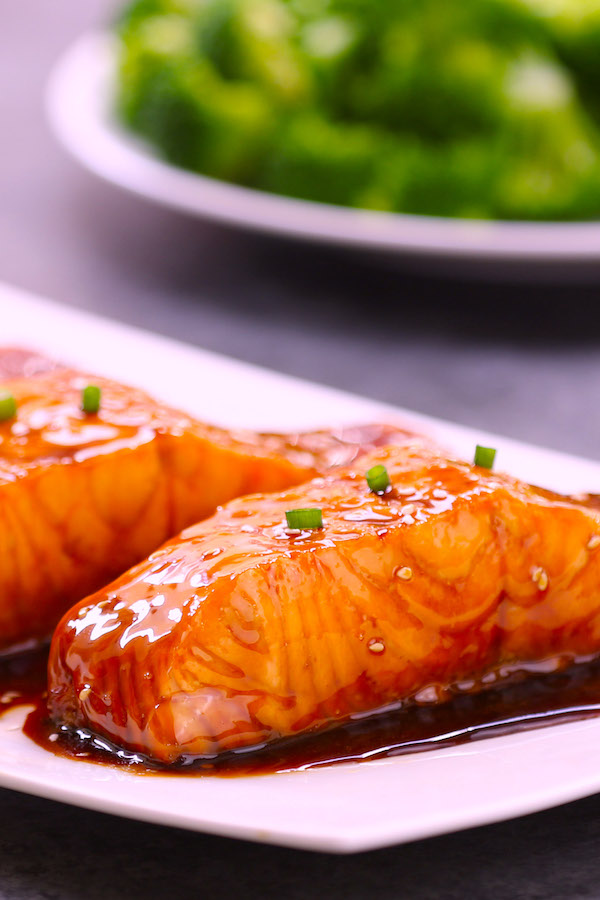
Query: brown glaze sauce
{"type": "Point", "coordinates": [531, 700]}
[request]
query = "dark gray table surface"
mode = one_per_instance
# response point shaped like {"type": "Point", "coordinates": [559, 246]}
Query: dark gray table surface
{"type": "Point", "coordinates": [520, 359]}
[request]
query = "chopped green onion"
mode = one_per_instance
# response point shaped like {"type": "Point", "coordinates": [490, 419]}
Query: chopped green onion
{"type": "Point", "coordinates": [378, 479]}
{"type": "Point", "coordinates": [304, 518]}
{"type": "Point", "coordinates": [90, 399]}
{"type": "Point", "coordinates": [484, 456]}
{"type": "Point", "coordinates": [8, 406]}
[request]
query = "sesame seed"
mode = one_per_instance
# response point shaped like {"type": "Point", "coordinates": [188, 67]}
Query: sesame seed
{"type": "Point", "coordinates": [376, 646]}
{"type": "Point", "coordinates": [52, 737]}
{"type": "Point", "coordinates": [84, 693]}
{"type": "Point", "coordinates": [539, 577]}
{"type": "Point", "coordinates": [409, 509]}
{"type": "Point", "coordinates": [292, 531]}
{"type": "Point", "coordinates": [405, 573]}
{"type": "Point", "coordinates": [593, 542]}
{"type": "Point", "coordinates": [9, 696]}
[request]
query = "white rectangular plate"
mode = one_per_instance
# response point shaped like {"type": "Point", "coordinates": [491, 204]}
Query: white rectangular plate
{"type": "Point", "coordinates": [343, 808]}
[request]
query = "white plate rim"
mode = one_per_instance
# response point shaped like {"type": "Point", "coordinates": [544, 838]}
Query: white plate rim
{"type": "Point", "coordinates": [78, 104]}
{"type": "Point", "coordinates": [343, 808]}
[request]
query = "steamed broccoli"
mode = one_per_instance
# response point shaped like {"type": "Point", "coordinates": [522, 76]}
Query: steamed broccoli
{"type": "Point", "coordinates": [481, 108]}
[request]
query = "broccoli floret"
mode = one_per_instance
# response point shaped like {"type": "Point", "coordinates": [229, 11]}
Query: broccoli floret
{"type": "Point", "coordinates": [318, 160]}
{"type": "Point", "coordinates": [444, 107]}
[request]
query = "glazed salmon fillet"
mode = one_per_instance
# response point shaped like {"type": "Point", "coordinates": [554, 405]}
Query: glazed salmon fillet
{"type": "Point", "coordinates": [243, 631]}
{"type": "Point", "coordinates": [85, 496]}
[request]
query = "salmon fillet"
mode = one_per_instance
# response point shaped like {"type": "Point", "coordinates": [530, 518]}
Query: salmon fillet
{"type": "Point", "coordinates": [242, 631]}
{"type": "Point", "coordinates": [84, 497]}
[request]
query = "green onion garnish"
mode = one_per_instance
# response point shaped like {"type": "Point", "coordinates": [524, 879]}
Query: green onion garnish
{"type": "Point", "coordinates": [484, 456]}
{"type": "Point", "coordinates": [378, 479]}
{"type": "Point", "coordinates": [8, 406]}
{"type": "Point", "coordinates": [90, 399]}
{"type": "Point", "coordinates": [304, 518]}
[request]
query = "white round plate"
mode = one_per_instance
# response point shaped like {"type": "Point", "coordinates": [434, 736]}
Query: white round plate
{"type": "Point", "coordinates": [80, 101]}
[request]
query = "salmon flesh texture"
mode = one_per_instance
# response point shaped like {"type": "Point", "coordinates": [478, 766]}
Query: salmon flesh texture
{"type": "Point", "coordinates": [241, 631]}
{"type": "Point", "coordinates": [84, 497]}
